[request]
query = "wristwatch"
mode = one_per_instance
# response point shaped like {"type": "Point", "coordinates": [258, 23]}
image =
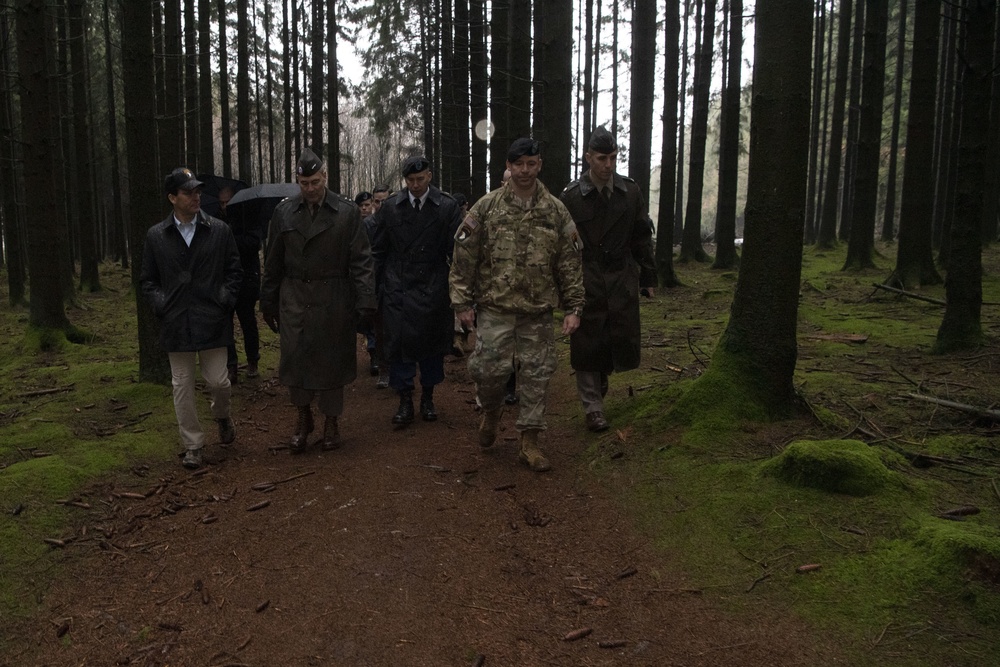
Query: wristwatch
{"type": "Point", "coordinates": [576, 311]}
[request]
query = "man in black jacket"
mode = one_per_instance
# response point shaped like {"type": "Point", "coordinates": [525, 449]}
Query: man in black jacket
{"type": "Point", "coordinates": [412, 246]}
{"type": "Point", "coordinates": [191, 276]}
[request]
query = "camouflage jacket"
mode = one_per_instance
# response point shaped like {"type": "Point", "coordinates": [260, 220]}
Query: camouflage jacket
{"type": "Point", "coordinates": [517, 260]}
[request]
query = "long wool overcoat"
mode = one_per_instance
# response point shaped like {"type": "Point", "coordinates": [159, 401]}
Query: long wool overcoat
{"type": "Point", "coordinates": [617, 260]}
{"type": "Point", "coordinates": [317, 277]}
{"type": "Point", "coordinates": [412, 251]}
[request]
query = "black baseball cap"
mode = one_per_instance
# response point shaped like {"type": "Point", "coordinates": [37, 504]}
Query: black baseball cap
{"type": "Point", "coordinates": [180, 178]}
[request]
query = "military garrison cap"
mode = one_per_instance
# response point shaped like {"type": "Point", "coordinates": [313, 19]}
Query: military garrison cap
{"type": "Point", "coordinates": [364, 195]}
{"type": "Point", "coordinates": [309, 163]}
{"type": "Point", "coordinates": [601, 141]}
{"type": "Point", "coordinates": [414, 165]}
{"type": "Point", "coordinates": [522, 147]}
{"type": "Point", "coordinates": [180, 178]}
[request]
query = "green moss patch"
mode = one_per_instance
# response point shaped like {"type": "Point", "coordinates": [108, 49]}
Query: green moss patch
{"type": "Point", "coordinates": [839, 466]}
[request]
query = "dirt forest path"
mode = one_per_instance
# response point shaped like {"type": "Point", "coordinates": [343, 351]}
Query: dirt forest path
{"type": "Point", "coordinates": [404, 547]}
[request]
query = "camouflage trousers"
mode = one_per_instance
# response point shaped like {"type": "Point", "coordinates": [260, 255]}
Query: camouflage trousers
{"type": "Point", "coordinates": [502, 338]}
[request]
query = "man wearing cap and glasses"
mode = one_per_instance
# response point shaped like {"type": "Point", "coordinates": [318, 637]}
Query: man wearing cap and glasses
{"type": "Point", "coordinates": [191, 276]}
{"type": "Point", "coordinates": [316, 290]}
{"type": "Point", "coordinates": [517, 258]}
{"type": "Point", "coordinates": [412, 249]}
{"type": "Point", "coordinates": [618, 264]}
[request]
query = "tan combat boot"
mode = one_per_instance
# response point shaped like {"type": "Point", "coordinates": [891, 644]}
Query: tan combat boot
{"type": "Point", "coordinates": [488, 427]}
{"type": "Point", "coordinates": [530, 455]}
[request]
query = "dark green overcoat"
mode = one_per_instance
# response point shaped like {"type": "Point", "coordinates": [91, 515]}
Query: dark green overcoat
{"type": "Point", "coordinates": [317, 277]}
{"type": "Point", "coordinates": [617, 261]}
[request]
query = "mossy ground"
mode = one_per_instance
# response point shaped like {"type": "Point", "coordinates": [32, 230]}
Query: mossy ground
{"type": "Point", "coordinates": [901, 585]}
{"type": "Point", "coordinates": [897, 582]}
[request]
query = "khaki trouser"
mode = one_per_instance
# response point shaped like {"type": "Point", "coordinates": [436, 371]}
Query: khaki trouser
{"type": "Point", "coordinates": [501, 339]}
{"type": "Point", "coordinates": [182, 370]}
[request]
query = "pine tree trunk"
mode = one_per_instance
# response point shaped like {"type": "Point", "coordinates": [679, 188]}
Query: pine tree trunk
{"type": "Point", "coordinates": [206, 109]}
{"type": "Point", "coordinates": [668, 161]}
{"type": "Point", "coordinates": [853, 125]}
{"type": "Point", "coordinates": [225, 129]}
{"type": "Point", "coordinates": [691, 248]}
{"type": "Point", "coordinates": [725, 219]}
{"type": "Point", "coordinates": [12, 228]}
{"type": "Point", "coordinates": [827, 236]}
{"type": "Point", "coordinates": [520, 70]}
{"type": "Point", "coordinates": [36, 67]}
{"type": "Point", "coordinates": [461, 176]}
{"type": "Point", "coordinates": [332, 97]}
{"type": "Point", "coordinates": [117, 222]}
{"type": "Point", "coordinates": [991, 193]}
{"type": "Point", "coordinates": [171, 128]}
{"type": "Point", "coordinates": [191, 103]}
{"type": "Point", "coordinates": [756, 355]}
{"type": "Point", "coordinates": [90, 281]}
{"type": "Point", "coordinates": [478, 95]}
{"type": "Point", "coordinates": [814, 138]}
{"type": "Point", "coordinates": [861, 245]}
{"type": "Point", "coordinates": [643, 84]}
{"type": "Point", "coordinates": [914, 257]}
{"type": "Point", "coordinates": [554, 91]}
{"type": "Point", "coordinates": [681, 126]}
{"type": "Point", "coordinates": [316, 94]}
{"type": "Point", "coordinates": [286, 91]}
{"type": "Point", "coordinates": [145, 195]}
{"type": "Point", "coordinates": [889, 218]}
{"type": "Point", "coordinates": [961, 326]}
{"type": "Point", "coordinates": [243, 148]}
{"type": "Point", "coordinates": [499, 89]}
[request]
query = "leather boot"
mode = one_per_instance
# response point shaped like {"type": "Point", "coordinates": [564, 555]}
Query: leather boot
{"type": "Point", "coordinates": [530, 454]}
{"type": "Point", "coordinates": [297, 444]}
{"type": "Point", "coordinates": [404, 415]}
{"type": "Point", "coordinates": [331, 435]}
{"type": "Point", "coordinates": [488, 427]}
{"type": "Point", "coordinates": [427, 411]}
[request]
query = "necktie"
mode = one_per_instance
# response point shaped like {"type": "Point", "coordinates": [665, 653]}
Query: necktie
{"type": "Point", "coordinates": [416, 204]}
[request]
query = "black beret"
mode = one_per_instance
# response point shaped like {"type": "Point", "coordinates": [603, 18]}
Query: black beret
{"type": "Point", "coordinates": [414, 165]}
{"type": "Point", "coordinates": [364, 195]}
{"type": "Point", "coordinates": [601, 141]}
{"type": "Point", "coordinates": [309, 163]}
{"type": "Point", "coordinates": [460, 199]}
{"type": "Point", "coordinates": [180, 178]}
{"type": "Point", "coordinates": [522, 147]}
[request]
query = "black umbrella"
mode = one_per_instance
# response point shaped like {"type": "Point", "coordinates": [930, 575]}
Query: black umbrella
{"type": "Point", "coordinates": [255, 205]}
{"type": "Point", "coordinates": [213, 185]}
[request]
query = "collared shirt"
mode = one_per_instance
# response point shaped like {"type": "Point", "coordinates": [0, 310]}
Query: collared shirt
{"type": "Point", "coordinates": [422, 199]}
{"type": "Point", "coordinates": [186, 229]}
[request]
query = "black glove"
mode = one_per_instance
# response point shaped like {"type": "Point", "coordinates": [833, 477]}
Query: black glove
{"type": "Point", "coordinates": [366, 319]}
{"type": "Point", "coordinates": [271, 321]}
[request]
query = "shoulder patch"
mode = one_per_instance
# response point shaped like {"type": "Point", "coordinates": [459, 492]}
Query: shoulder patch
{"type": "Point", "coordinates": [468, 226]}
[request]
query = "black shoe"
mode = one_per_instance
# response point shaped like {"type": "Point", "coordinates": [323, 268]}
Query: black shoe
{"type": "Point", "coordinates": [510, 398]}
{"type": "Point", "coordinates": [372, 364]}
{"type": "Point", "coordinates": [427, 411]}
{"type": "Point", "coordinates": [404, 415]}
{"type": "Point", "coordinates": [298, 441]}
{"type": "Point", "coordinates": [227, 432]}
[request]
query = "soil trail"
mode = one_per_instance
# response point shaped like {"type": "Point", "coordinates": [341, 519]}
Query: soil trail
{"type": "Point", "coordinates": [403, 547]}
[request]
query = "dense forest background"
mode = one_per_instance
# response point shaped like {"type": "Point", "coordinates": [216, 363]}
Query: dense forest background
{"type": "Point", "coordinates": [886, 131]}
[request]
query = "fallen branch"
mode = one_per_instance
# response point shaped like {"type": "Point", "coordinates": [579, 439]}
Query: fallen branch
{"type": "Point", "coordinates": [985, 413]}
{"type": "Point", "coordinates": [45, 392]}
{"type": "Point", "coordinates": [918, 297]}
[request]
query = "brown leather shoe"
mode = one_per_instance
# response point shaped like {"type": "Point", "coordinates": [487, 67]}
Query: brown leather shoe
{"type": "Point", "coordinates": [596, 422]}
{"type": "Point", "coordinates": [331, 435]}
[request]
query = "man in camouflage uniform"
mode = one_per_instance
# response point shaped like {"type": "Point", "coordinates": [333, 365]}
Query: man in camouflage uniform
{"type": "Point", "coordinates": [516, 258]}
{"type": "Point", "coordinates": [610, 214]}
